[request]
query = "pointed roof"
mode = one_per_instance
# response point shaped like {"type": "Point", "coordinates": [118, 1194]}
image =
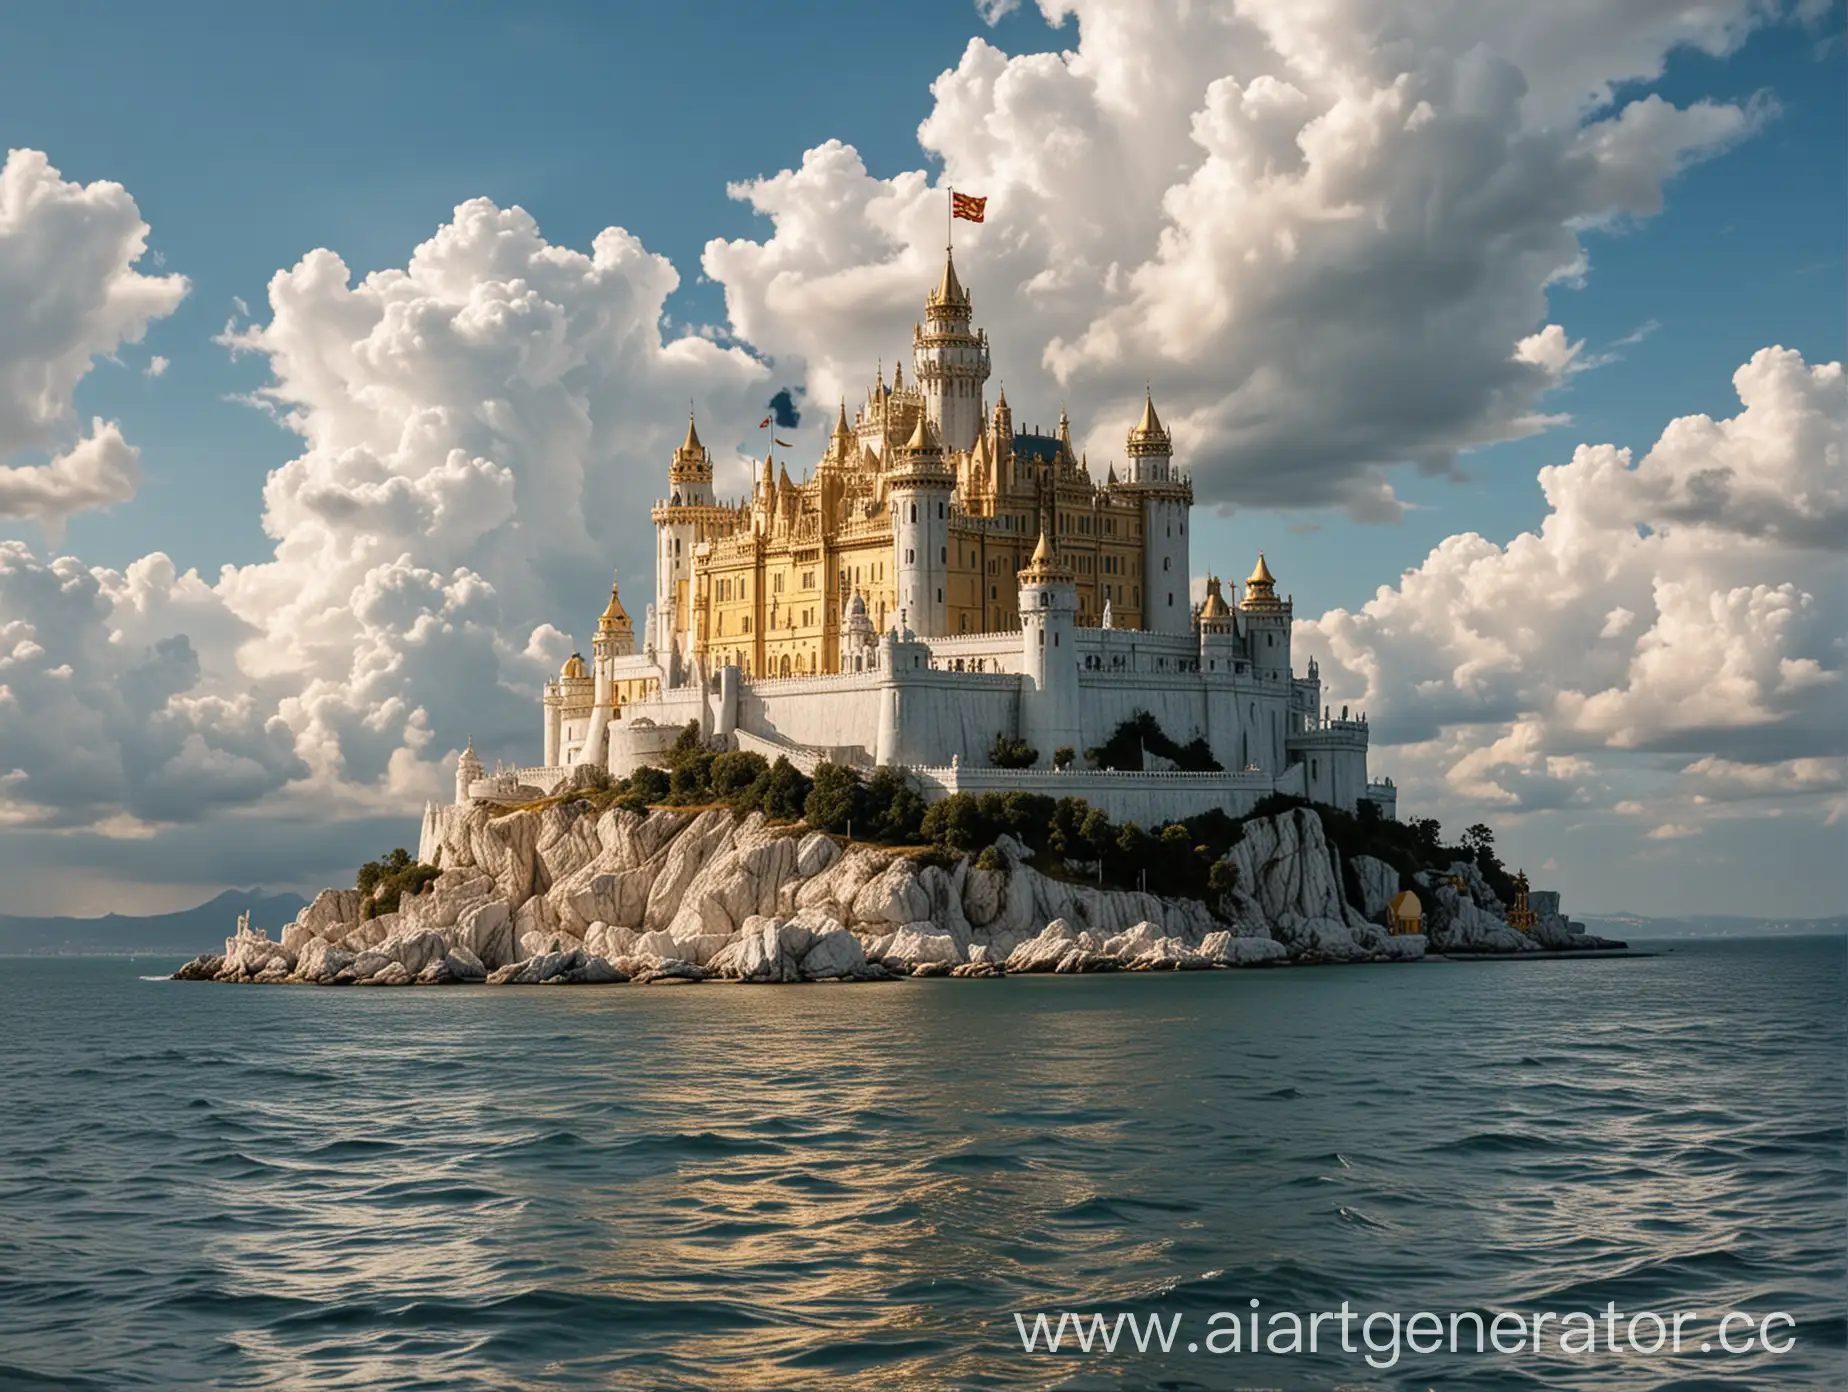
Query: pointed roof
{"type": "Point", "coordinates": [1260, 588]}
{"type": "Point", "coordinates": [1150, 424]}
{"type": "Point", "coordinates": [1041, 553]}
{"type": "Point", "coordinates": [769, 477]}
{"type": "Point", "coordinates": [691, 445]}
{"type": "Point", "coordinates": [1215, 606]}
{"type": "Point", "coordinates": [615, 616]}
{"type": "Point", "coordinates": [468, 753]}
{"type": "Point", "coordinates": [949, 289]}
{"type": "Point", "coordinates": [841, 429]}
{"type": "Point", "coordinates": [920, 437]}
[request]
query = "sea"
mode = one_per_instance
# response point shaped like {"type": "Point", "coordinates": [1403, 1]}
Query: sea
{"type": "Point", "coordinates": [883, 1186]}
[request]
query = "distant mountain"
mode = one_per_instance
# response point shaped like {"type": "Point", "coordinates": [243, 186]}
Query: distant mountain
{"type": "Point", "coordinates": [1630, 925]}
{"type": "Point", "coordinates": [195, 930]}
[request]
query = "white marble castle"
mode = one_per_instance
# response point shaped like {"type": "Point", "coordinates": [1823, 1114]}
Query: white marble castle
{"type": "Point", "coordinates": [939, 579]}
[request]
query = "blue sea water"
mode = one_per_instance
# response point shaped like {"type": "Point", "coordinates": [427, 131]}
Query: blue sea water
{"type": "Point", "coordinates": [859, 1186]}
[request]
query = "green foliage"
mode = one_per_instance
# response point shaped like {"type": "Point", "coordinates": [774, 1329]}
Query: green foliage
{"type": "Point", "coordinates": [648, 785]}
{"type": "Point", "coordinates": [732, 775]}
{"type": "Point", "coordinates": [1063, 756]}
{"type": "Point", "coordinates": [834, 799]}
{"type": "Point", "coordinates": [1426, 833]}
{"type": "Point", "coordinates": [383, 883]}
{"type": "Point", "coordinates": [1479, 838]}
{"type": "Point", "coordinates": [1012, 754]}
{"type": "Point", "coordinates": [892, 809]}
{"type": "Point", "coordinates": [1141, 732]}
{"type": "Point", "coordinates": [785, 791]}
{"type": "Point", "coordinates": [990, 859]}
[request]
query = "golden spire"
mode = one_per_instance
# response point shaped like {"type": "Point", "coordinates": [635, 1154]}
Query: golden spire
{"type": "Point", "coordinates": [1261, 588]}
{"type": "Point", "coordinates": [949, 289]}
{"type": "Point", "coordinates": [615, 618]}
{"type": "Point", "coordinates": [1150, 424]}
{"type": "Point", "coordinates": [1042, 554]}
{"type": "Point", "coordinates": [841, 430]}
{"type": "Point", "coordinates": [691, 445]}
{"type": "Point", "coordinates": [1215, 606]}
{"type": "Point", "coordinates": [920, 437]}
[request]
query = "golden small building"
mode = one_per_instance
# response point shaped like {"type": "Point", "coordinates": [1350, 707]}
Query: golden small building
{"type": "Point", "coordinates": [1521, 916]}
{"type": "Point", "coordinates": [1406, 913]}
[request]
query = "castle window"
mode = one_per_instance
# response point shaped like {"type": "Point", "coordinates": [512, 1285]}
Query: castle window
{"type": "Point", "coordinates": [914, 512]}
{"type": "Point", "coordinates": [946, 554]}
{"type": "Point", "coordinates": [1167, 563]}
{"type": "Point", "coordinates": [939, 510]}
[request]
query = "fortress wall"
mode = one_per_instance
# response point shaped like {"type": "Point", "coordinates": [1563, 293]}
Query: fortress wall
{"type": "Point", "coordinates": [820, 712]}
{"type": "Point", "coordinates": [1147, 799]}
{"type": "Point", "coordinates": [944, 715]}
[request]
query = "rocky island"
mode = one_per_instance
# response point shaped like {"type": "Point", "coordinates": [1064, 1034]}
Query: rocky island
{"type": "Point", "coordinates": [582, 891]}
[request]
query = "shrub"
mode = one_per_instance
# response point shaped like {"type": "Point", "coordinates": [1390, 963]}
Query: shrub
{"type": "Point", "coordinates": [383, 883]}
{"type": "Point", "coordinates": [1141, 732]}
{"type": "Point", "coordinates": [733, 774]}
{"type": "Point", "coordinates": [1012, 753]}
{"type": "Point", "coordinates": [786, 791]}
{"type": "Point", "coordinates": [647, 785]}
{"type": "Point", "coordinates": [892, 808]}
{"type": "Point", "coordinates": [1062, 756]}
{"type": "Point", "coordinates": [956, 823]}
{"type": "Point", "coordinates": [834, 799]}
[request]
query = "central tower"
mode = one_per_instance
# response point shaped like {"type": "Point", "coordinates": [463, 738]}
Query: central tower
{"type": "Point", "coordinates": [950, 359]}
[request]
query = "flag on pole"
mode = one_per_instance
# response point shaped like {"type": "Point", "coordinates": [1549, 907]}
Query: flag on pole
{"type": "Point", "coordinates": [764, 424]}
{"type": "Point", "coordinates": [968, 208]}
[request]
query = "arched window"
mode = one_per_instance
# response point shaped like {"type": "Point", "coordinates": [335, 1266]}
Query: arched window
{"type": "Point", "coordinates": [1167, 563]}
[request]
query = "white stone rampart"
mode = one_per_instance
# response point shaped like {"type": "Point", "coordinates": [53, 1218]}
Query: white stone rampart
{"type": "Point", "coordinates": [1147, 799]}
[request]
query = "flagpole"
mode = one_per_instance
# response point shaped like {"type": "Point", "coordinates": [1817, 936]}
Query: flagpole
{"type": "Point", "coordinates": [949, 224]}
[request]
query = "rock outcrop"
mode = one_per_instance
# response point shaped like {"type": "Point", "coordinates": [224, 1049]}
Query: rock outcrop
{"type": "Point", "coordinates": [573, 895]}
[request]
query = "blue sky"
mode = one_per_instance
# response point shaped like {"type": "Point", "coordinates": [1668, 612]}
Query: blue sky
{"type": "Point", "coordinates": [249, 136]}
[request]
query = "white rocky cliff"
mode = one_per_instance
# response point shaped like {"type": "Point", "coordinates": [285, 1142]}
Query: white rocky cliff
{"type": "Point", "coordinates": [569, 894]}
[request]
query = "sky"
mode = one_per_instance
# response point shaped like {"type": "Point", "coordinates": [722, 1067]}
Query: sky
{"type": "Point", "coordinates": [341, 352]}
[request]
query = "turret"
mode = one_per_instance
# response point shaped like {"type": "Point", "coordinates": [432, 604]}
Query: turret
{"type": "Point", "coordinates": [920, 485]}
{"type": "Point", "coordinates": [1266, 621]}
{"type": "Point", "coordinates": [676, 530]}
{"type": "Point", "coordinates": [1049, 701]}
{"type": "Point", "coordinates": [951, 362]}
{"type": "Point", "coordinates": [468, 769]}
{"type": "Point", "coordinates": [1166, 501]}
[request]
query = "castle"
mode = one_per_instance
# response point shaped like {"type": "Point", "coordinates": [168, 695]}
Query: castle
{"type": "Point", "coordinates": [940, 579]}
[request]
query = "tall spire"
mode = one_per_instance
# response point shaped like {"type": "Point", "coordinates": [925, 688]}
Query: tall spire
{"type": "Point", "coordinates": [691, 445]}
{"type": "Point", "coordinates": [949, 289]}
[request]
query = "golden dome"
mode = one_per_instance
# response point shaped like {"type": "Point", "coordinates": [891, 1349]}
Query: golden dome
{"type": "Point", "coordinates": [1260, 574]}
{"type": "Point", "coordinates": [920, 437]}
{"type": "Point", "coordinates": [1215, 606]}
{"type": "Point", "coordinates": [573, 668]}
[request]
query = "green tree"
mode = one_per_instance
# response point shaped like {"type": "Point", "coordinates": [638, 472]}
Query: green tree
{"type": "Point", "coordinates": [1479, 838]}
{"type": "Point", "coordinates": [733, 774]}
{"type": "Point", "coordinates": [834, 799]}
{"type": "Point", "coordinates": [1063, 756]}
{"type": "Point", "coordinates": [1012, 753]}
{"type": "Point", "coordinates": [384, 883]}
{"type": "Point", "coordinates": [786, 792]}
{"type": "Point", "coordinates": [956, 823]}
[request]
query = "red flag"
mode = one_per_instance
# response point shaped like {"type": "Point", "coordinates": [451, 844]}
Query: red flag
{"type": "Point", "coordinates": [964, 206]}
{"type": "Point", "coordinates": [764, 424]}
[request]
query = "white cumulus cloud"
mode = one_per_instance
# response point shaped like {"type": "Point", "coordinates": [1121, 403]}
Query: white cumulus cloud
{"type": "Point", "coordinates": [1687, 606]}
{"type": "Point", "coordinates": [1324, 230]}
{"type": "Point", "coordinates": [69, 294]}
